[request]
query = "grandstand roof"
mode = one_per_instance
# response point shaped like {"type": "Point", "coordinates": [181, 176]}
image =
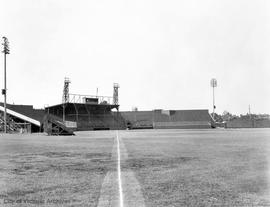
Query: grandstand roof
{"type": "Point", "coordinates": [26, 110]}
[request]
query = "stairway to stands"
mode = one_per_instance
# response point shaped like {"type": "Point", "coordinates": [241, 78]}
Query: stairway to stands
{"type": "Point", "coordinates": [53, 125]}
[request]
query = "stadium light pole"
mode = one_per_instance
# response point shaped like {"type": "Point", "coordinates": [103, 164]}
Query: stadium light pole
{"type": "Point", "coordinates": [4, 91]}
{"type": "Point", "coordinates": [213, 85]}
{"type": "Point", "coordinates": [65, 98]}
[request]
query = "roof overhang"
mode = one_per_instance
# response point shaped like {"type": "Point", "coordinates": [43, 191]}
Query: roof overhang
{"type": "Point", "coordinates": [21, 116]}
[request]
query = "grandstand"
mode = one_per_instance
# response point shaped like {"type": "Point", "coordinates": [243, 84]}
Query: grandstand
{"type": "Point", "coordinates": [22, 118]}
{"type": "Point", "coordinates": [88, 116]}
{"type": "Point", "coordinates": [68, 117]}
{"type": "Point", "coordinates": [167, 119]}
{"type": "Point", "coordinates": [88, 112]}
{"type": "Point", "coordinates": [101, 117]}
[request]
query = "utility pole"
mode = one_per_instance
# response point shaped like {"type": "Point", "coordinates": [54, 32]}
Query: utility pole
{"type": "Point", "coordinates": [249, 111]}
{"type": "Point", "coordinates": [4, 91]}
{"type": "Point", "coordinates": [213, 85]}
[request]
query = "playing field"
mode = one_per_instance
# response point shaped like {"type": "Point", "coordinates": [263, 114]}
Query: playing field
{"type": "Point", "coordinates": [214, 167]}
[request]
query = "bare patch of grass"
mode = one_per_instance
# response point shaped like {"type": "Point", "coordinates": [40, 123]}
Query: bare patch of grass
{"type": "Point", "coordinates": [200, 168]}
{"type": "Point", "coordinates": [54, 171]}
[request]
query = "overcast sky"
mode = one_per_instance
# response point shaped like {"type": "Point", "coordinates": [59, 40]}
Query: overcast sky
{"type": "Point", "coordinates": [162, 53]}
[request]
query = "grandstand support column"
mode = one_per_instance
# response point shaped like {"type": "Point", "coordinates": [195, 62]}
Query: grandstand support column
{"type": "Point", "coordinates": [77, 113]}
{"type": "Point", "coordinates": [4, 91]}
{"type": "Point", "coordinates": [88, 113]}
{"type": "Point", "coordinates": [117, 118]}
{"type": "Point", "coordinates": [64, 112]}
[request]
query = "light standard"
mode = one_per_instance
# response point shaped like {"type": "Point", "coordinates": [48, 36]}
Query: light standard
{"type": "Point", "coordinates": [213, 85]}
{"type": "Point", "coordinates": [4, 91]}
{"type": "Point", "coordinates": [65, 98]}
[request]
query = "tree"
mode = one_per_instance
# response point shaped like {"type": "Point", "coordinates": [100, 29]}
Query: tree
{"type": "Point", "coordinates": [217, 117]}
{"type": "Point", "coordinates": [227, 116]}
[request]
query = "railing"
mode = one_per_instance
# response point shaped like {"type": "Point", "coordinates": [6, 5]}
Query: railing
{"type": "Point", "coordinates": [57, 127]}
{"type": "Point", "coordinates": [78, 98]}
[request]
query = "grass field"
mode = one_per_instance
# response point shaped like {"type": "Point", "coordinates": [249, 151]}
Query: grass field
{"type": "Point", "coordinates": [159, 168]}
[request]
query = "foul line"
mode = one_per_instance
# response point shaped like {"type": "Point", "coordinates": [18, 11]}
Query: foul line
{"type": "Point", "coordinates": [119, 171]}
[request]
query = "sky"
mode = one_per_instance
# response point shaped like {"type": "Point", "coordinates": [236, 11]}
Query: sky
{"type": "Point", "coordinates": [163, 54]}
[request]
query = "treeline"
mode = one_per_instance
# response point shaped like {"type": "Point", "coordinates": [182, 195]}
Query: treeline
{"type": "Point", "coordinates": [227, 116]}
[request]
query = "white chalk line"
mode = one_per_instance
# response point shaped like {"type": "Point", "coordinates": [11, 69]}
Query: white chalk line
{"type": "Point", "coordinates": [121, 202]}
{"type": "Point", "coordinates": [120, 188]}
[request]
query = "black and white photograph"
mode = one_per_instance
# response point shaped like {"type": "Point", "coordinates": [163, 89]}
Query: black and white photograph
{"type": "Point", "coordinates": [135, 103]}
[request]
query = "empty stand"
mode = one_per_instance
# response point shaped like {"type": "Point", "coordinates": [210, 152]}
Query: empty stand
{"type": "Point", "coordinates": [89, 116]}
{"type": "Point", "coordinates": [162, 119]}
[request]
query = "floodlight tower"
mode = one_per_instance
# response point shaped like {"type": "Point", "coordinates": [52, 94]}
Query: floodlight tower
{"type": "Point", "coordinates": [4, 91]}
{"type": "Point", "coordinates": [115, 93]}
{"type": "Point", "coordinates": [116, 101]}
{"type": "Point", "coordinates": [213, 85]}
{"type": "Point", "coordinates": [65, 98]}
